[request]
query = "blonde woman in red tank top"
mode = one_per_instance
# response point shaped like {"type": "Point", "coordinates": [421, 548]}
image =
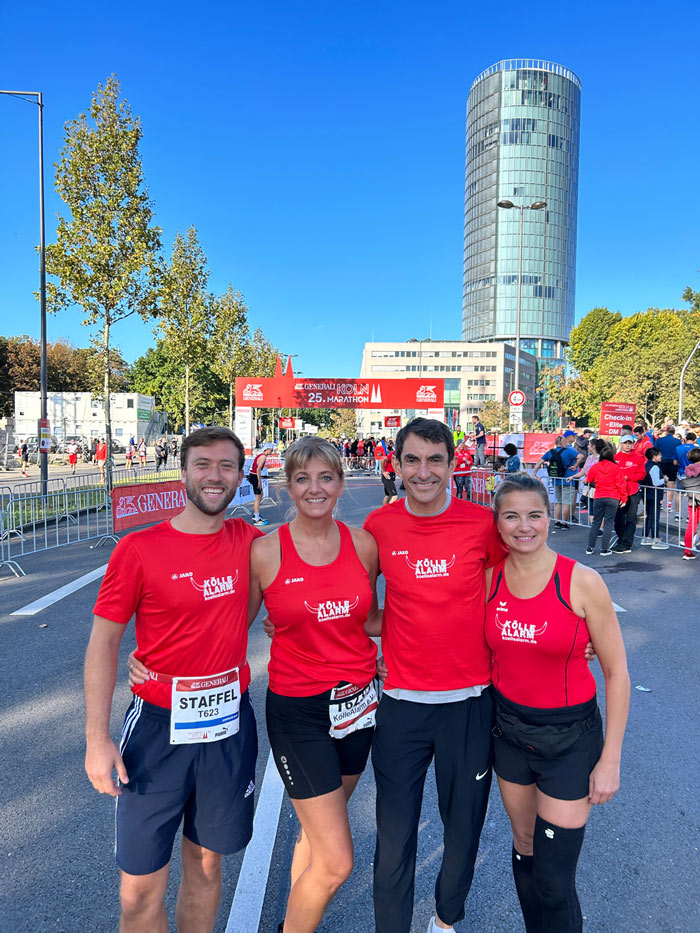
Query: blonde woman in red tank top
{"type": "Point", "coordinates": [317, 577]}
{"type": "Point", "coordinates": [551, 759]}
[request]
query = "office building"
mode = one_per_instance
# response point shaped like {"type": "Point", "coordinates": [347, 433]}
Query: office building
{"type": "Point", "coordinates": [82, 414]}
{"type": "Point", "coordinates": [474, 373]}
{"type": "Point", "coordinates": [523, 118]}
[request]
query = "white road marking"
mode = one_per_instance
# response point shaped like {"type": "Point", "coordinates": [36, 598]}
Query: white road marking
{"type": "Point", "coordinates": [44, 602]}
{"type": "Point", "coordinates": [618, 608]}
{"type": "Point", "coordinates": [248, 900]}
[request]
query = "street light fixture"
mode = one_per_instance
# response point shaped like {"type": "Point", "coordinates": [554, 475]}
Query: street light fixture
{"type": "Point", "coordinates": [25, 95]}
{"type": "Point", "coordinates": [535, 206]}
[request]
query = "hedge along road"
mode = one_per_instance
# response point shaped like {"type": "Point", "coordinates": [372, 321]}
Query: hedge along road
{"type": "Point", "coordinates": [640, 862]}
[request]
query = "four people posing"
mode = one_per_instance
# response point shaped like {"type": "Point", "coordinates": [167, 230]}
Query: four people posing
{"type": "Point", "coordinates": [317, 579]}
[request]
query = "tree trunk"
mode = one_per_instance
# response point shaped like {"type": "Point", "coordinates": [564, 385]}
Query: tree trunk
{"type": "Point", "coordinates": [187, 398]}
{"type": "Point", "coordinates": [107, 404]}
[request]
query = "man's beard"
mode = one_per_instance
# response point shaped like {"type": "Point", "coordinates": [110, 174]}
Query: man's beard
{"type": "Point", "coordinates": [195, 496]}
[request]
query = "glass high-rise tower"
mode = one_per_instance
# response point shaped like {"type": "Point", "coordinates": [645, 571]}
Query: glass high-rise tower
{"type": "Point", "coordinates": [523, 118]}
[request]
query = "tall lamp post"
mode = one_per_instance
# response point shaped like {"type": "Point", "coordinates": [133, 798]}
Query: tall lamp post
{"type": "Point", "coordinates": [535, 206]}
{"type": "Point", "coordinates": [27, 95]}
{"type": "Point", "coordinates": [680, 392]}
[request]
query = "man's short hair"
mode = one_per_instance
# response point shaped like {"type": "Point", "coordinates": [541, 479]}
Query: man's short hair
{"type": "Point", "coordinates": [638, 429]}
{"type": "Point", "coordinates": [671, 429]}
{"type": "Point", "coordinates": [694, 455]}
{"type": "Point", "coordinates": [205, 437]}
{"type": "Point", "coordinates": [691, 436]}
{"type": "Point", "coordinates": [429, 429]}
{"type": "Point", "coordinates": [587, 431]}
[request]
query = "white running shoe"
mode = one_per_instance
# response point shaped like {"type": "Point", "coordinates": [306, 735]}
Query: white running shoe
{"type": "Point", "coordinates": [648, 541]}
{"type": "Point", "coordinates": [659, 545]}
{"type": "Point", "coordinates": [434, 928]}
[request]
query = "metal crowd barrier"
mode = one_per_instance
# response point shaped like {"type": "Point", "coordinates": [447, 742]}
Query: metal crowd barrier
{"type": "Point", "coordinates": [74, 508]}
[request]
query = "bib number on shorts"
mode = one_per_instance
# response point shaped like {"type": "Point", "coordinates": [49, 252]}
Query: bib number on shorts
{"type": "Point", "coordinates": [205, 709]}
{"type": "Point", "coordinates": [352, 708]}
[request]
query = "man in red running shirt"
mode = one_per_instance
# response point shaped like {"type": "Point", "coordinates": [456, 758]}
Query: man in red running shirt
{"type": "Point", "coordinates": [433, 552]}
{"type": "Point", "coordinates": [189, 742]}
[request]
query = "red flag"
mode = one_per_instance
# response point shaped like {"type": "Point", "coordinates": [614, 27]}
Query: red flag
{"type": "Point", "coordinates": [278, 368]}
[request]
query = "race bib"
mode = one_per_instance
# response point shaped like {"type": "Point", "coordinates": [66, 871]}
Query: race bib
{"type": "Point", "coordinates": [205, 709]}
{"type": "Point", "coordinates": [352, 708]}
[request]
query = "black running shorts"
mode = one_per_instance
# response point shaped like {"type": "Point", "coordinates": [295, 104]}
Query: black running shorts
{"type": "Point", "coordinates": [310, 761]}
{"type": "Point", "coordinates": [389, 486]}
{"type": "Point", "coordinates": [556, 749]}
{"type": "Point", "coordinates": [255, 483]}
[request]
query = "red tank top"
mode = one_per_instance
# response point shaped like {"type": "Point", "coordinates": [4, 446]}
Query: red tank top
{"type": "Point", "coordinates": [538, 644]}
{"type": "Point", "coordinates": [319, 615]}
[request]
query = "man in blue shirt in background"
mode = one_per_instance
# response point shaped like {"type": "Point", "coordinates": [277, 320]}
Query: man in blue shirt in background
{"type": "Point", "coordinates": [668, 444]}
{"type": "Point", "coordinates": [562, 462]}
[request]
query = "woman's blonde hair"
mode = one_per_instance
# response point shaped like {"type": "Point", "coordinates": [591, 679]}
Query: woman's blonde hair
{"type": "Point", "coordinates": [300, 452]}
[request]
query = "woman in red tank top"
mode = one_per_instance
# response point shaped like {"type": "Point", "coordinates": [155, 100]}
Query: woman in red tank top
{"type": "Point", "coordinates": [550, 758]}
{"type": "Point", "coordinates": [317, 577]}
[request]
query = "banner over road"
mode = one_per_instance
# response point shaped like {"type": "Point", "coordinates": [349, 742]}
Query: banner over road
{"type": "Point", "coordinates": [290, 392]}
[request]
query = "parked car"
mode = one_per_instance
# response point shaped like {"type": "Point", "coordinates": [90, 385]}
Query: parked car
{"type": "Point", "coordinates": [33, 442]}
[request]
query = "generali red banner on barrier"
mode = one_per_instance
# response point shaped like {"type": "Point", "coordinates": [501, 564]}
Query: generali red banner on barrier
{"type": "Point", "coordinates": [536, 444]}
{"type": "Point", "coordinates": [613, 415]}
{"type": "Point", "coordinates": [290, 392]}
{"type": "Point", "coordinates": [392, 421]}
{"type": "Point", "coordinates": [147, 502]}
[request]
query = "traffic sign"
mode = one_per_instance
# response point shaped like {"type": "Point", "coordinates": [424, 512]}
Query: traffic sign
{"type": "Point", "coordinates": [517, 398]}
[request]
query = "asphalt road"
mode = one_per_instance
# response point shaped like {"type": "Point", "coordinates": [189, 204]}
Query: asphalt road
{"type": "Point", "coordinates": [640, 865]}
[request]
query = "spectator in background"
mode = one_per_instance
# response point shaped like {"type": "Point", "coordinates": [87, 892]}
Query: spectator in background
{"type": "Point", "coordinates": [142, 453]}
{"type": "Point", "coordinates": [587, 490]}
{"type": "Point", "coordinates": [160, 453]}
{"type": "Point", "coordinates": [129, 455]}
{"type": "Point", "coordinates": [561, 462]}
{"type": "Point", "coordinates": [610, 495]}
{"type": "Point", "coordinates": [480, 436]}
{"type": "Point", "coordinates": [101, 456]}
{"type": "Point", "coordinates": [682, 451]}
{"type": "Point", "coordinates": [691, 484]}
{"type": "Point", "coordinates": [513, 464]}
{"type": "Point", "coordinates": [653, 488]}
{"type": "Point", "coordinates": [462, 472]}
{"type": "Point", "coordinates": [73, 456]}
{"type": "Point", "coordinates": [642, 441]}
{"type": "Point", "coordinates": [93, 449]}
{"type": "Point", "coordinates": [633, 469]}
{"type": "Point", "coordinates": [379, 454]}
{"type": "Point", "coordinates": [581, 443]}
{"type": "Point", "coordinates": [668, 444]}
{"type": "Point", "coordinates": [24, 457]}
{"type": "Point", "coordinates": [458, 435]}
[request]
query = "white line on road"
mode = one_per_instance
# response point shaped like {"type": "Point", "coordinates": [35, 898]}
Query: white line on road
{"type": "Point", "coordinates": [248, 900]}
{"type": "Point", "coordinates": [618, 608]}
{"type": "Point", "coordinates": [45, 601]}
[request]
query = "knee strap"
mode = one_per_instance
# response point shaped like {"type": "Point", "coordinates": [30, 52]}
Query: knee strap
{"type": "Point", "coordinates": [527, 892]}
{"type": "Point", "coordinates": [556, 851]}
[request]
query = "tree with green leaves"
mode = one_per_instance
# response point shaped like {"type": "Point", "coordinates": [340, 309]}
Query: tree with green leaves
{"type": "Point", "coordinates": [105, 258]}
{"type": "Point", "coordinates": [589, 337]}
{"type": "Point", "coordinates": [495, 416]}
{"type": "Point", "coordinates": [229, 347]}
{"type": "Point", "coordinates": [185, 318]}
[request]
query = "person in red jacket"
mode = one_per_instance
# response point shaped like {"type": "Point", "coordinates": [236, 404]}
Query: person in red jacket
{"type": "Point", "coordinates": [610, 495]}
{"type": "Point", "coordinates": [642, 442]}
{"type": "Point", "coordinates": [463, 469]}
{"type": "Point", "coordinates": [101, 456]}
{"type": "Point", "coordinates": [633, 466]}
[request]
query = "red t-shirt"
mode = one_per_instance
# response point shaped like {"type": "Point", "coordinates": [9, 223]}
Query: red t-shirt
{"type": "Point", "coordinates": [433, 626]}
{"type": "Point", "coordinates": [633, 467]}
{"type": "Point", "coordinates": [190, 597]}
{"type": "Point", "coordinates": [608, 480]}
{"type": "Point", "coordinates": [101, 452]}
{"type": "Point", "coordinates": [538, 644]}
{"type": "Point", "coordinates": [319, 615]}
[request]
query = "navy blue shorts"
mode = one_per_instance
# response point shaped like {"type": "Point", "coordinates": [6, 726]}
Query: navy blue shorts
{"type": "Point", "coordinates": [211, 784]}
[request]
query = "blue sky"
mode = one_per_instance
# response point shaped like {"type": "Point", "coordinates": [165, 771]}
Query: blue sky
{"type": "Point", "coordinates": [318, 148]}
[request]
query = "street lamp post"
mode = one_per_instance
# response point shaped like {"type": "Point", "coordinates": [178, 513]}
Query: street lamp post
{"type": "Point", "coordinates": [25, 95]}
{"type": "Point", "coordinates": [535, 206]}
{"type": "Point", "coordinates": [680, 392]}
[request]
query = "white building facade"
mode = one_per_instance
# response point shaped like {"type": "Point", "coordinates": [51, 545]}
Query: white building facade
{"type": "Point", "coordinates": [82, 414]}
{"type": "Point", "coordinates": [474, 373]}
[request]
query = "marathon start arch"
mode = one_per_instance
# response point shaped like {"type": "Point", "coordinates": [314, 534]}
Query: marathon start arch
{"type": "Point", "coordinates": [425, 396]}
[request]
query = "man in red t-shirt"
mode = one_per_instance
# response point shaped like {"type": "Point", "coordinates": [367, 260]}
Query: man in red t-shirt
{"type": "Point", "coordinates": [189, 744]}
{"type": "Point", "coordinates": [633, 466]}
{"type": "Point", "coordinates": [101, 456]}
{"type": "Point", "coordinates": [433, 552]}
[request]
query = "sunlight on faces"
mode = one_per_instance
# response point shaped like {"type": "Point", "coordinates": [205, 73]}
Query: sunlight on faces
{"type": "Point", "coordinates": [425, 470]}
{"type": "Point", "coordinates": [212, 475]}
{"type": "Point", "coordinates": [523, 521]}
{"type": "Point", "coordinates": [315, 488]}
